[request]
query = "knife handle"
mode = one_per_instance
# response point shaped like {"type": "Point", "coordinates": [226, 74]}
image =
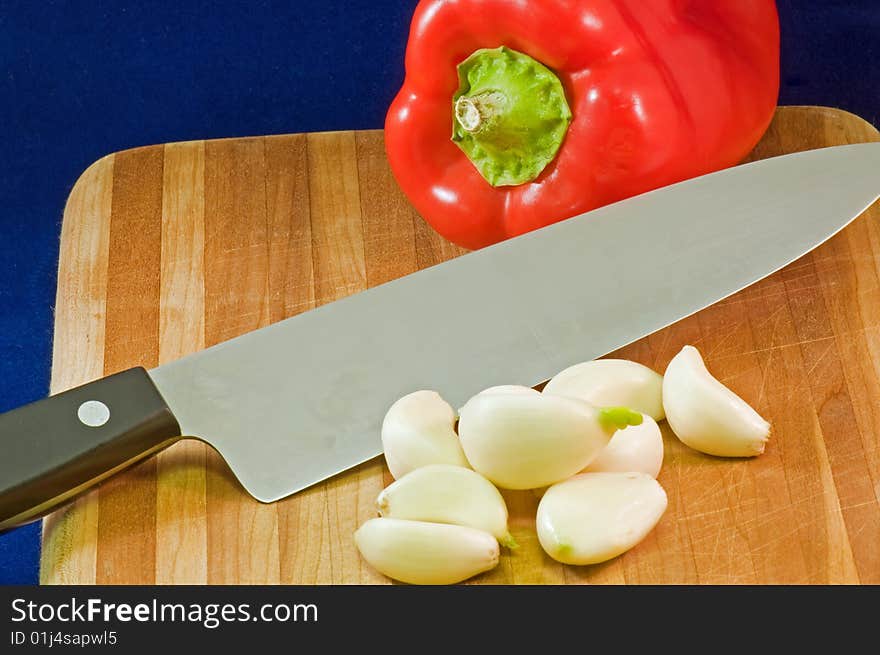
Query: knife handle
{"type": "Point", "coordinates": [55, 449]}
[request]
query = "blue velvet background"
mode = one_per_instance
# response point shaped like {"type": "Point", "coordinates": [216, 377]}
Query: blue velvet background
{"type": "Point", "coordinates": [80, 79]}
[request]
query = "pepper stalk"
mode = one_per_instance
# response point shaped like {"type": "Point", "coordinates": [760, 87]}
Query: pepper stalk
{"type": "Point", "coordinates": [510, 115]}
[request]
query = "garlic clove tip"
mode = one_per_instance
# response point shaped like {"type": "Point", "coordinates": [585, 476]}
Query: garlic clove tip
{"type": "Point", "coordinates": [508, 542]}
{"type": "Point", "coordinates": [618, 418]}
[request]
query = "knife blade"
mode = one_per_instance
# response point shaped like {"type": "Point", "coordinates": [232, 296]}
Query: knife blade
{"type": "Point", "coordinates": [301, 400]}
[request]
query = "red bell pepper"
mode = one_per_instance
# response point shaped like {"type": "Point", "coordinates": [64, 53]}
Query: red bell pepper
{"type": "Point", "coordinates": [556, 107]}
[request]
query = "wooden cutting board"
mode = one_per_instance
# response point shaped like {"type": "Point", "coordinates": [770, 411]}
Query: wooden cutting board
{"type": "Point", "coordinates": [168, 249]}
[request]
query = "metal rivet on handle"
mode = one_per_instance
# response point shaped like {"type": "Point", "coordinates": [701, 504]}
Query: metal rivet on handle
{"type": "Point", "coordinates": [93, 413]}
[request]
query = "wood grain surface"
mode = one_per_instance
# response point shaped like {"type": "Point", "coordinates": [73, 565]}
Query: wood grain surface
{"type": "Point", "coordinates": [168, 249]}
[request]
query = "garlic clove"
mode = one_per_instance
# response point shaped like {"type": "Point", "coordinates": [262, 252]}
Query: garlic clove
{"type": "Point", "coordinates": [511, 388]}
{"type": "Point", "coordinates": [637, 448]}
{"type": "Point", "coordinates": [522, 441]}
{"type": "Point", "coordinates": [706, 415]}
{"type": "Point", "coordinates": [418, 430]}
{"type": "Point", "coordinates": [440, 493]}
{"type": "Point", "coordinates": [594, 517]}
{"type": "Point", "coordinates": [418, 552]}
{"type": "Point", "coordinates": [607, 382]}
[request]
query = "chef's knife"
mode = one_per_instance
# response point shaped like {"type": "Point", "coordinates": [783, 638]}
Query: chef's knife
{"type": "Point", "coordinates": [301, 400]}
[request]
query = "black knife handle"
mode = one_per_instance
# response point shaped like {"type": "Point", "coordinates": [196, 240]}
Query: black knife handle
{"type": "Point", "coordinates": [55, 449]}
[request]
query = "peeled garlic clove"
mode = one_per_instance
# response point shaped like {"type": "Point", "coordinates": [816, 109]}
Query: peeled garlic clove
{"type": "Point", "coordinates": [706, 415]}
{"type": "Point", "coordinates": [594, 517]}
{"type": "Point", "coordinates": [418, 430]}
{"type": "Point", "coordinates": [440, 493]}
{"type": "Point", "coordinates": [608, 382]}
{"type": "Point", "coordinates": [510, 388]}
{"type": "Point", "coordinates": [418, 552]}
{"type": "Point", "coordinates": [637, 448]}
{"type": "Point", "coordinates": [522, 441]}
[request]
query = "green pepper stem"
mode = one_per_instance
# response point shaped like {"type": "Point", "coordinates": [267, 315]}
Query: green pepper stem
{"type": "Point", "coordinates": [510, 115]}
{"type": "Point", "coordinates": [476, 112]}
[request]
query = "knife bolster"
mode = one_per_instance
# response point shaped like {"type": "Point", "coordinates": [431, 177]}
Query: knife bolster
{"type": "Point", "coordinates": [56, 449]}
